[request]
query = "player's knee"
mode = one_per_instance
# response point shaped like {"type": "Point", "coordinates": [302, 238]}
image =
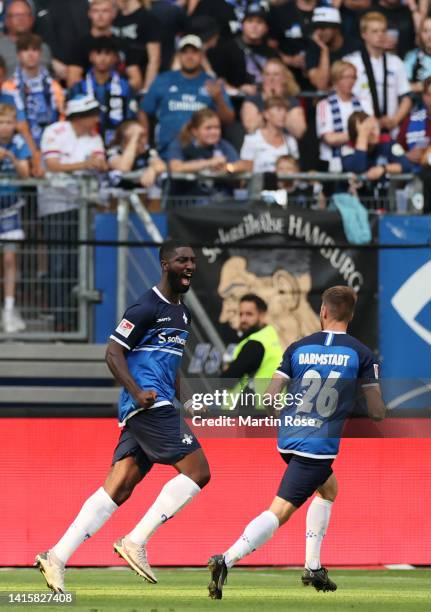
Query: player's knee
{"type": "Point", "coordinates": [329, 496]}
{"type": "Point", "coordinates": [122, 493]}
{"type": "Point", "coordinates": [201, 477]}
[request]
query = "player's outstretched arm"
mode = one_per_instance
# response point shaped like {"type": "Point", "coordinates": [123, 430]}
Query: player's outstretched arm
{"type": "Point", "coordinates": [272, 393]}
{"type": "Point", "coordinates": [375, 404]}
{"type": "Point", "coordinates": [116, 362]}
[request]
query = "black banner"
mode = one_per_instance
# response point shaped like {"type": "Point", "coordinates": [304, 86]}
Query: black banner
{"type": "Point", "coordinates": [290, 280]}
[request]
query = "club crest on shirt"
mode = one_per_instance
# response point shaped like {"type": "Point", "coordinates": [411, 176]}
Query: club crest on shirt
{"type": "Point", "coordinates": [397, 150]}
{"type": "Point", "coordinates": [125, 328]}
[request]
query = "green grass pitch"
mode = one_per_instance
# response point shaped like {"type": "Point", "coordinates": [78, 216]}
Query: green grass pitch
{"type": "Point", "coordinates": [248, 590]}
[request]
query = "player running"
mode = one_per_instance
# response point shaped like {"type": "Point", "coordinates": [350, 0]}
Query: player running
{"type": "Point", "coordinates": [144, 355]}
{"type": "Point", "coordinates": [325, 368]}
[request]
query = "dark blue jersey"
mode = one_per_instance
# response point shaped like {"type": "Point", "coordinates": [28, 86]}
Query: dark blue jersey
{"type": "Point", "coordinates": [154, 332]}
{"type": "Point", "coordinates": [386, 152]}
{"type": "Point", "coordinates": [325, 369]}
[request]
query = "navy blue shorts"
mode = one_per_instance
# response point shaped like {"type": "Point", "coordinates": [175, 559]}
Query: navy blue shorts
{"type": "Point", "coordinates": [159, 435]}
{"type": "Point", "coordinates": [303, 476]}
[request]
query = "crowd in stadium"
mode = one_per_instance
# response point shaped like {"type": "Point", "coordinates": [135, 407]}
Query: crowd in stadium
{"type": "Point", "coordinates": [219, 85]}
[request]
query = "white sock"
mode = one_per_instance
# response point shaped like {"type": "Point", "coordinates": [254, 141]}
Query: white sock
{"type": "Point", "coordinates": [318, 515]}
{"type": "Point", "coordinates": [9, 303]}
{"type": "Point", "coordinates": [259, 531]}
{"type": "Point", "coordinates": [175, 495]}
{"type": "Point", "coordinates": [94, 513]}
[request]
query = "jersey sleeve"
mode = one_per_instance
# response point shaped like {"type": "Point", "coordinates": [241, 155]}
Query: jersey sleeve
{"type": "Point", "coordinates": [51, 142]}
{"type": "Point", "coordinates": [248, 149]}
{"type": "Point", "coordinates": [409, 63]}
{"type": "Point", "coordinates": [368, 372]}
{"type": "Point", "coordinates": [285, 368]}
{"type": "Point", "coordinates": [152, 98]}
{"type": "Point", "coordinates": [403, 85]}
{"type": "Point", "coordinates": [229, 151]}
{"type": "Point", "coordinates": [136, 320]}
{"type": "Point", "coordinates": [312, 56]}
{"type": "Point", "coordinates": [354, 160]}
{"type": "Point", "coordinates": [175, 151]}
{"type": "Point", "coordinates": [22, 150]}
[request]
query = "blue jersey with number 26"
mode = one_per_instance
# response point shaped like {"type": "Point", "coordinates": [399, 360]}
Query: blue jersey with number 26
{"type": "Point", "coordinates": [325, 370]}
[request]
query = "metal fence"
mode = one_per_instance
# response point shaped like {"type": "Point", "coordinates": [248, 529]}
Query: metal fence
{"type": "Point", "coordinates": [398, 193]}
{"type": "Point", "coordinates": [53, 275]}
{"type": "Point", "coordinates": [53, 260]}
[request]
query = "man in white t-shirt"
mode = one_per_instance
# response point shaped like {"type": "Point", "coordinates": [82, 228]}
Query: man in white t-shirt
{"type": "Point", "coordinates": [375, 68]}
{"type": "Point", "coordinates": [263, 148]}
{"type": "Point", "coordinates": [68, 147]}
{"type": "Point", "coordinates": [333, 112]}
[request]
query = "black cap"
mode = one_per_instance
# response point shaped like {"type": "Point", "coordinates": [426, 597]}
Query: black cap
{"type": "Point", "coordinates": [257, 9]}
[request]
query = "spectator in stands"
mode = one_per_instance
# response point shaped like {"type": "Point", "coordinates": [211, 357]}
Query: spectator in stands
{"type": "Point", "coordinates": [14, 161]}
{"type": "Point", "coordinates": [375, 69]}
{"type": "Point", "coordinates": [61, 23]}
{"type": "Point", "coordinates": [116, 99]}
{"type": "Point", "coordinates": [141, 31]}
{"type": "Point", "coordinates": [240, 61]}
{"type": "Point", "coordinates": [351, 12]}
{"type": "Point", "coordinates": [130, 151]}
{"type": "Point", "coordinates": [8, 96]}
{"type": "Point", "coordinates": [175, 95]}
{"type": "Point", "coordinates": [41, 95]}
{"type": "Point", "coordinates": [371, 153]}
{"type": "Point", "coordinates": [333, 113]}
{"type": "Point", "coordinates": [173, 21]}
{"type": "Point", "coordinates": [267, 144]}
{"type": "Point", "coordinates": [102, 14]}
{"type": "Point", "coordinates": [223, 12]}
{"type": "Point", "coordinates": [200, 147]}
{"type": "Point", "coordinates": [72, 146]}
{"type": "Point", "coordinates": [400, 35]}
{"type": "Point", "coordinates": [283, 191]}
{"type": "Point", "coordinates": [291, 27]}
{"type": "Point", "coordinates": [418, 61]}
{"type": "Point", "coordinates": [277, 81]}
{"type": "Point", "coordinates": [327, 45]}
{"type": "Point", "coordinates": [19, 20]}
{"type": "Point", "coordinates": [415, 132]}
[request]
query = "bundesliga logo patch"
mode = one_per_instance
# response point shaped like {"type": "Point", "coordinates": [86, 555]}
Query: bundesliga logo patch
{"type": "Point", "coordinates": [125, 328]}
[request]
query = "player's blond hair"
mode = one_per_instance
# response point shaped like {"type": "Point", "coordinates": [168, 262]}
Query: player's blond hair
{"type": "Point", "coordinates": [340, 301]}
{"type": "Point", "coordinates": [369, 17]}
{"type": "Point", "coordinates": [7, 110]}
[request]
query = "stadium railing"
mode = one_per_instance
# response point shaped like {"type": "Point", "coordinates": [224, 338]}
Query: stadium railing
{"type": "Point", "coordinates": [55, 261]}
{"type": "Point", "coordinates": [54, 272]}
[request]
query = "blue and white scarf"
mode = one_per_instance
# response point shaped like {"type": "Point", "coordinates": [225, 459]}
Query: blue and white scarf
{"type": "Point", "coordinates": [337, 120]}
{"type": "Point", "coordinates": [39, 100]}
{"type": "Point", "coordinates": [416, 132]}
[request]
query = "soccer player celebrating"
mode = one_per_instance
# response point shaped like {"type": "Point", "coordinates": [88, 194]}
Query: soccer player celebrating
{"type": "Point", "coordinates": [144, 355]}
{"type": "Point", "coordinates": [324, 368]}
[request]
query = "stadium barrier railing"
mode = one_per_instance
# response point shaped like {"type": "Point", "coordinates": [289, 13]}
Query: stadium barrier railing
{"type": "Point", "coordinates": [55, 260]}
{"type": "Point", "coordinates": [54, 274]}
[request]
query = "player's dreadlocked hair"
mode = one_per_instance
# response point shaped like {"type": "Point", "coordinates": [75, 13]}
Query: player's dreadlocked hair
{"type": "Point", "coordinates": [169, 246]}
